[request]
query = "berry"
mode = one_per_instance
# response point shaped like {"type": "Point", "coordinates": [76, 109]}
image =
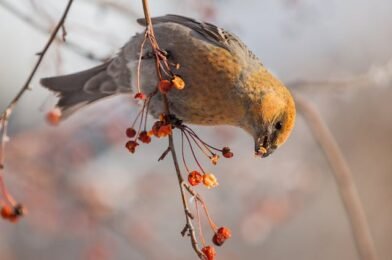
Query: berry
{"type": "Point", "coordinates": [178, 82]}
{"type": "Point", "coordinates": [131, 146]}
{"type": "Point", "coordinates": [165, 86]}
{"type": "Point", "coordinates": [140, 96]}
{"type": "Point", "coordinates": [221, 235]}
{"type": "Point", "coordinates": [227, 153]}
{"type": "Point", "coordinates": [210, 181]}
{"type": "Point", "coordinates": [214, 159]}
{"type": "Point", "coordinates": [144, 137]}
{"type": "Point", "coordinates": [194, 178]}
{"type": "Point", "coordinates": [209, 252]}
{"type": "Point", "coordinates": [130, 132]}
{"type": "Point", "coordinates": [54, 116]}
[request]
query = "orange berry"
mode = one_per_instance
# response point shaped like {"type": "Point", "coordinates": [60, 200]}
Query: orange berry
{"type": "Point", "coordinates": [130, 132]}
{"type": "Point", "coordinates": [140, 96]}
{"type": "Point", "coordinates": [178, 82]}
{"type": "Point", "coordinates": [7, 212]}
{"type": "Point", "coordinates": [155, 128]}
{"type": "Point", "coordinates": [143, 136]}
{"type": "Point", "coordinates": [210, 181]}
{"type": "Point", "coordinates": [194, 178]}
{"type": "Point", "coordinates": [221, 235]}
{"type": "Point", "coordinates": [165, 130]}
{"type": "Point", "coordinates": [131, 146]}
{"type": "Point", "coordinates": [12, 213]}
{"type": "Point", "coordinates": [227, 153]}
{"type": "Point", "coordinates": [54, 116]}
{"type": "Point", "coordinates": [165, 86]}
{"type": "Point", "coordinates": [209, 252]}
{"type": "Point", "coordinates": [214, 159]}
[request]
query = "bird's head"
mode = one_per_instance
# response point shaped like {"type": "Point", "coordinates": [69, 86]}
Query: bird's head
{"type": "Point", "coordinates": [271, 115]}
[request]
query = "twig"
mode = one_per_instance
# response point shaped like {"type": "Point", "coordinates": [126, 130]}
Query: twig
{"type": "Point", "coordinates": [31, 22]}
{"type": "Point", "coordinates": [8, 111]}
{"type": "Point", "coordinates": [344, 179]}
{"type": "Point", "coordinates": [188, 216]}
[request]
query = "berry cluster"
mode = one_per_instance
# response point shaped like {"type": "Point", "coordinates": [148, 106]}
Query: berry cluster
{"type": "Point", "coordinates": [169, 81]}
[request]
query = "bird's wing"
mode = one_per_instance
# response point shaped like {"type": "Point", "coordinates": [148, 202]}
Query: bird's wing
{"type": "Point", "coordinates": [209, 32]}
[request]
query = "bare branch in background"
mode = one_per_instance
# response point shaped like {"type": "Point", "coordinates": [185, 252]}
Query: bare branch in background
{"type": "Point", "coordinates": [122, 9]}
{"type": "Point", "coordinates": [376, 75]}
{"type": "Point", "coordinates": [343, 177]}
{"type": "Point", "coordinates": [76, 48]}
{"type": "Point", "coordinates": [8, 111]}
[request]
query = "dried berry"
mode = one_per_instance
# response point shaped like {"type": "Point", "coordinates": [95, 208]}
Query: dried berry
{"type": "Point", "coordinates": [221, 235]}
{"type": "Point", "coordinates": [214, 159]}
{"type": "Point", "coordinates": [140, 96]}
{"type": "Point", "coordinates": [130, 132]}
{"type": "Point", "coordinates": [209, 252]}
{"type": "Point", "coordinates": [178, 82]}
{"type": "Point", "coordinates": [194, 178]}
{"type": "Point", "coordinates": [210, 181]}
{"type": "Point", "coordinates": [54, 116]}
{"type": "Point", "coordinates": [160, 129]}
{"type": "Point", "coordinates": [165, 86]}
{"type": "Point", "coordinates": [227, 153]}
{"type": "Point", "coordinates": [165, 130]}
{"type": "Point", "coordinates": [131, 146]}
{"type": "Point", "coordinates": [155, 128]}
{"type": "Point", "coordinates": [143, 136]}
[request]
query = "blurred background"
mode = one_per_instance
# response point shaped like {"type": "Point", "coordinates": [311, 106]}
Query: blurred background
{"type": "Point", "coordinates": [88, 198]}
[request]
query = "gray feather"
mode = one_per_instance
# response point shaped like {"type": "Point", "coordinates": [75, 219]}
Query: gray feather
{"type": "Point", "coordinates": [80, 89]}
{"type": "Point", "coordinates": [209, 31]}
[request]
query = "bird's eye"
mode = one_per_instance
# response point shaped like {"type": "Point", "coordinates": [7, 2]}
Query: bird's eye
{"type": "Point", "coordinates": [278, 125]}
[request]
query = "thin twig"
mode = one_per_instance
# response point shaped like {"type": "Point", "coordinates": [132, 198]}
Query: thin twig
{"type": "Point", "coordinates": [344, 179]}
{"type": "Point", "coordinates": [8, 111]}
{"type": "Point", "coordinates": [188, 216]}
{"type": "Point", "coordinates": [33, 23]}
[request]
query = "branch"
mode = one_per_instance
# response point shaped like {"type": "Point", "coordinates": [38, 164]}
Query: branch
{"type": "Point", "coordinates": [31, 22]}
{"type": "Point", "coordinates": [344, 179]}
{"type": "Point", "coordinates": [376, 75]}
{"type": "Point", "coordinates": [188, 216]}
{"type": "Point", "coordinates": [8, 111]}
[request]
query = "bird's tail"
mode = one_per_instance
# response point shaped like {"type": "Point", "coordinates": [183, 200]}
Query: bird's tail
{"type": "Point", "coordinates": [80, 89]}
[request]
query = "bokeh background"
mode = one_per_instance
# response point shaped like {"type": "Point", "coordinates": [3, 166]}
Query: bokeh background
{"type": "Point", "coordinates": [88, 198]}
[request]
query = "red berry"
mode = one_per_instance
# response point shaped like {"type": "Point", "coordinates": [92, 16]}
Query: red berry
{"type": "Point", "coordinates": [54, 116]}
{"type": "Point", "coordinates": [227, 153]}
{"type": "Point", "coordinates": [221, 235]}
{"type": "Point", "coordinates": [144, 137]}
{"type": "Point", "coordinates": [165, 130]}
{"type": "Point", "coordinates": [194, 178]}
{"type": "Point", "coordinates": [209, 252]}
{"type": "Point", "coordinates": [155, 128]}
{"type": "Point", "coordinates": [131, 146]}
{"type": "Point", "coordinates": [140, 96]}
{"type": "Point", "coordinates": [130, 132]}
{"type": "Point", "coordinates": [165, 86]}
{"type": "Point", "coordinates": [7, 212]}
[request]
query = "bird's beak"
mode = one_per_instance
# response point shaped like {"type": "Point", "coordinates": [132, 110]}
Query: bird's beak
{"type": "Point", "coordinates": [264, 146]}
{"type": "Point", "coordinates": [264, 152]}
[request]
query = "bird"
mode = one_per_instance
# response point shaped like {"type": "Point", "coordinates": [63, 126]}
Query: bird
{"type": "Point", "coordinates": [226, 84]}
